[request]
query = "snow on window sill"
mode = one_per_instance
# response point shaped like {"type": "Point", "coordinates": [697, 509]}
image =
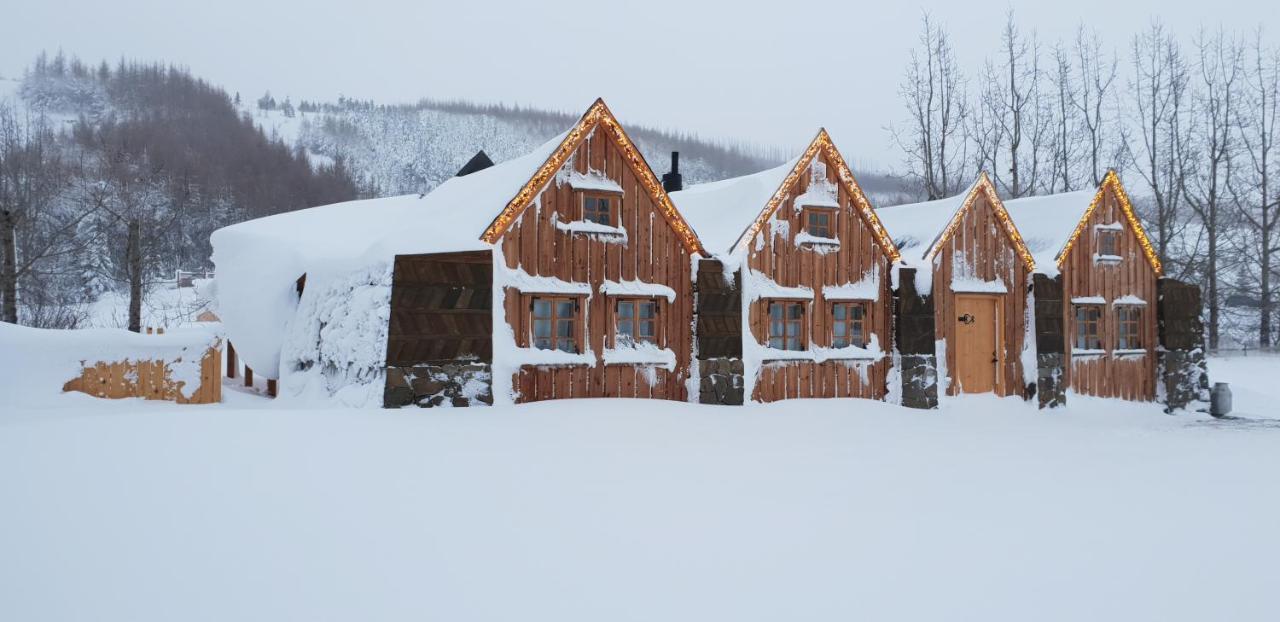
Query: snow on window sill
{"type": "Point", "coordinates": [593, 181]}
{"type": "Point", "coordinates": [1108, 260]}
{"type": "Point", "coordinates": [816, 243]}
{"type": "Point", "coordinates": [820, 354]}
{"type": "Point", "coordinates": [1129, 300]}
{"type": "Point", "coordinates": [1087, 353]}
{"type": "Point", "coordinates": [1130, 352]}
{"type": "Point", "coordinates": [1088, 300]}
{"type": "Point", "coordinates": [642, 353]}
{"type": "Point", "coordinates": [638, 288]}
{"type": "Point", "coordinates": [603, 232]}
{"type": "Point", "coordinates": [551, 358]}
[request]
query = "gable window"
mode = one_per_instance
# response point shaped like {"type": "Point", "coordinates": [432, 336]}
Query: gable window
{"type": "Point", "coordinates": [1129, 328]}
{"type": "Point", "coordinates": [848, 324]}
{"type": "Point", "coordinates": [555, 323]}
{"type": "Point", "coordinates": [1088, 327]}
{"type": "Point", "coordinates": [636, 321]}
{"type": "Point", "coordinates": [1109, 243]}
{"type": "Point", "coordinates": [601, 209]}
{"type": "Point", "coordinates": [786, 325]}
{"type": "Point", "coordinates": [820, 222]}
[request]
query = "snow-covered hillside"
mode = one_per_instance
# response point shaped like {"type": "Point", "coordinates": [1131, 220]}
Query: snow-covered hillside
{"type": "Point", "coordinates": [642, 510]}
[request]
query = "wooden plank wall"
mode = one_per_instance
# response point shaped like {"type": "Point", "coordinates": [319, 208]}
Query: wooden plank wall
{"type": "Point", "coordinates": [791, 266]}
{"type": "Point", "coordinates": [441, 308]}
{"type": "Point", "coordinates": [988, 255]}
{"type": "Point", "coordinates": [653, 253]}
{"type": "Point", "coordinates": [1131, 377]}
{"type": "Point", "coordinates": [149, 380]}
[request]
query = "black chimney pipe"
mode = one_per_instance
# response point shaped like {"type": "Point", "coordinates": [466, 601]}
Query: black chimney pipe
{"type": "Point", "coordinates": [672, 181]}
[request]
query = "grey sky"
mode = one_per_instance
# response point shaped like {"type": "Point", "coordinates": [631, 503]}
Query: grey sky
{"type": "Point", "coordinates": [762, 72]}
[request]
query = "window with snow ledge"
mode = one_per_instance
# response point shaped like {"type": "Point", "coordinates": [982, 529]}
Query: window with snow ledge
{"type": "Point", "coordinates": [1129, 328]}
{"type": "Point", "coordinates": [635, 322]}
{"type": "Point", "coordinates": [601, 208]}
{"type": "Point", "coordinates": [1088, 329]}
{"type": "Point", "coordinates": [555, 323]}
{"type": "Point", "coordinates": [787, 328]}
{"type": "Point", "coordinates": [848, 324]}
{"type": "Point", "coordinates": [606, 233]}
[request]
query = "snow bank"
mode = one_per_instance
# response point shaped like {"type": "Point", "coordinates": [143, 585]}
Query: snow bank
{"type": "Point", "coordinates": [35, 363]}
{"type": "Point", "coordinates": [259, 261]}
{"type": "Point", "coordinates": [575, 510]}
{"type": "Point", "coordinates": [335, 347]}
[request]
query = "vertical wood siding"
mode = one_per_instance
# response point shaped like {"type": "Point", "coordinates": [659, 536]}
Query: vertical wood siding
{"type": "Point", "coordinates": [1131, 377]}
{"type": "Point", "coordinates": [780, 259]}
{"type": "Point", "coordinates": [653, 253]}
{"type": "Point", "coordinates": [988, 254]}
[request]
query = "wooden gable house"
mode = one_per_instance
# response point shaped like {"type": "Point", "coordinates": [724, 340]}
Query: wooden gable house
{"type": "Point", "coordinates": [1106, 269]}
{"type": "Point", "coordinates": [586, 281]}
{"type": "Point", "coordinates": [969, 257]}
{"type": "Point", "coordinates": [796, 301]}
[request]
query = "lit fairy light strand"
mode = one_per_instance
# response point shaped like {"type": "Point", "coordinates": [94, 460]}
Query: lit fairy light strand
{"type": "Point", "coordinates": [597, 115]}
{"type": "Point", "coordinates": [823, 143]}
{"type": "Point", "coordinates": [1112, 180]}
{"type": "Point", "coordinates": [988, 190]}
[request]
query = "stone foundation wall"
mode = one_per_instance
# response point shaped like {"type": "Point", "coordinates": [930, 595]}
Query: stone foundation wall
{"type": "Point", "coordinates": [720, 381]}
{"type": "Point", "coordinates": [444, 384]}
{"type": "Point", "coordinates": [1051, 342]}
{"type": "Point", "coordinates": [919, 380]}
{"type": "Point", "coordinates": [1183, 372]}
{"type": "Point", "coordinates": [1051, 385]}
{"type": "Point", "coordinates": [914, 337]}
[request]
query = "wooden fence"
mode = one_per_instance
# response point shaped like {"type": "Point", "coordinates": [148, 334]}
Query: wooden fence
{"type": "Point", "coordinates": [150, 379]}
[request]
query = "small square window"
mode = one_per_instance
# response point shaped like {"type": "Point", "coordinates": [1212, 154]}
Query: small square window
{"type": "Point", "coordinates": [636, 321]}
{"type": "Point", "coordinates": [1128, 328]}
{"type": "Point", "coordinates": [786, 325]}
{"type": "Point", "coordinates": [555, 324]}
{"type": "Point", "coordinates": [1109, 243]}
{"type": "Point", "coordinates": [600, 209]}
{"type": "Point", "coordinates": [1088, 327]}
{"type": "Point", "coordinates": [819, 223]}
{"type": "Point", "coordinates": [848, 325]}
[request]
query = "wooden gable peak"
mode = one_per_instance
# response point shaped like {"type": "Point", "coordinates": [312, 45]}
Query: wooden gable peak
{"type": "Point", "coordinates": [1112, 180]}
{"type": "Point", "coordinates": [598, 115]}
{"type": "Point", "coordinates": [984, 187]}
{"type": "Point", "coordinates": [822, 143]}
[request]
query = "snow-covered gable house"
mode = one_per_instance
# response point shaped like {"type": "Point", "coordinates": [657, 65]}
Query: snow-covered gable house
{"type": "Point", "coordinates": [562, 273]}
{"type": "Point", "coordinates": [1091, 243]}
{"type": "Point", "coordinates": [968, 256]}
{"type": "Point", "coordinates": [795, 301]}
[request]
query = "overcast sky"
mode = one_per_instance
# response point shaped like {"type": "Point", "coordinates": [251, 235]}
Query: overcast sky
{"type": "Point", "coordinates": [768, 73]}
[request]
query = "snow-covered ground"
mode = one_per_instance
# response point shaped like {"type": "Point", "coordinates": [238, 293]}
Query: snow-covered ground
{"type": "Point", "coordinates": [643, 510]}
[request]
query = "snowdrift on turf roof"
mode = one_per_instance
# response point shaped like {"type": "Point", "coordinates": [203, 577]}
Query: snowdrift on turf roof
{"type": "Point", "coordinates": [259, 261]}
{"type": "Point", "coordinates": [1046, 223]}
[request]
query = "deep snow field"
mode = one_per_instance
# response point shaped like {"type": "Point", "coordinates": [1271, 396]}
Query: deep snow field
{"type": "Point", "coordinates": [643, 510]}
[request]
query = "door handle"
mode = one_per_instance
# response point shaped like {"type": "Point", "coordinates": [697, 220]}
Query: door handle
{"type": "Point", "coordinates": [966, 319]}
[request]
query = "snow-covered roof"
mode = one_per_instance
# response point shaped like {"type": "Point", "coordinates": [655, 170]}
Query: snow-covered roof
{"type": "Point", "coordinates": [1047, 222]}
{"type": "Point", "coordinates": [727, 214]}
{"type": "Point", "coordinates": [259, 260]}
{"type": "Point", "coordinates": [721, 211]}
{"type": "Point", "coordinates": [915, 227]}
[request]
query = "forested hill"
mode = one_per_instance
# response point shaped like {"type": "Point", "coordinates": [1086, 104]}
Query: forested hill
{"type": "Point", "coordinates": [398, 149]}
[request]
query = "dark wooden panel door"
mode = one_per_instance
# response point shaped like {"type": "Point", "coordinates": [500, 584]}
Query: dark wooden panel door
{"type": "Point", "coordinates": [977, 344]}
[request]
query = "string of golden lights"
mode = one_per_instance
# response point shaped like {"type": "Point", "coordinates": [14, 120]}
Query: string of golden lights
{"type": "Point", "coordinates": [823, 143]}
{"type": "Point", "coordinates": [1112, 180]}
{"type": "Point", "coordinates": [598, 114]}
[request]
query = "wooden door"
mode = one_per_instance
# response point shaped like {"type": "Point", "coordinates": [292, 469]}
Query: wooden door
{"type": "Point", "coordinates": [978, 353]}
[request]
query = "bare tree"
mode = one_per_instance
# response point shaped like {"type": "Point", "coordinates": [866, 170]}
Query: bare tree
{"type": "Point", "coordinates": [934, 92]}
{"type": "Point", "coordinates": [1063, 144]}
{"type": "Point", "coordinates": [128, 194]}
{"type": "Point", "coordinates": [1218, 70]}
{"type": "Point", "coordinates": [1094, 100]}
{"type": "Point", "coordinates": [1255, 198]}
{"type": "Point", "coordinates": [1161, 105]}
{"type": "Point", "coordinates": [33, 227]}
{"type": "Point", "coordinates": [1012, 126]}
